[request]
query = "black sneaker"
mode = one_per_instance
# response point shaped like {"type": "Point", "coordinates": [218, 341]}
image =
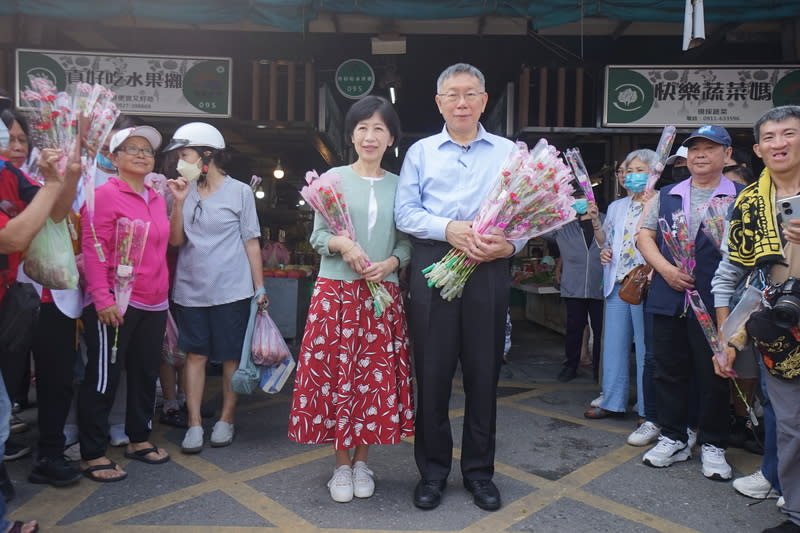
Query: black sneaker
{"type": "Point", "coordinates": [174, 417]}
{"type": "Point", "coordinates": [55, 471]}
{"type": "Point", "coordinates": [15, 450]}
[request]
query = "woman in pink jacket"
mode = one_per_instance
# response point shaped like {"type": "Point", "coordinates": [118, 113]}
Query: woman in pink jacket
{"type": "Point", "coordinates": [141, 328]}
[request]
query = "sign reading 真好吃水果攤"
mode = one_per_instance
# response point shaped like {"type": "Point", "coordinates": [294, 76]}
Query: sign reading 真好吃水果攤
{"type": "Point", "coordinates": [731, 95]}
{"type": "Point", "coordinates": [143, 84]}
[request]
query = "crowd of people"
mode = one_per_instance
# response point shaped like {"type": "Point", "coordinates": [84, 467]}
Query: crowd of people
{"type": "Point", "coordinates": [353, 386]}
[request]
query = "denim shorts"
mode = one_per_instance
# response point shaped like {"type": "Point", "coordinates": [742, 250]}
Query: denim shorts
{"type": "Point", "coordinates": [216, 332]}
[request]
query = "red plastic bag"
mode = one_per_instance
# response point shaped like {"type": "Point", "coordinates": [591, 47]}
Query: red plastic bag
{"type": "Point", "coordinates": [268, 349]}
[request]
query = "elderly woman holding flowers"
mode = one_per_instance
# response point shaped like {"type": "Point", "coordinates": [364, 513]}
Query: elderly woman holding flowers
{"type": "Point", "coordinates": [131, 338]}
{"type": "Point", "coordinates": [619, 258]}
{"type": "Point", "coordinates": [353, 383]}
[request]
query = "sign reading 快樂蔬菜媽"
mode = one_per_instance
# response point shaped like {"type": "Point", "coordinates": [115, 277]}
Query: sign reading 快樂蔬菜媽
{"type": "Point", "coordinates": [355, 79]}
{"type": "Point", "coordinates": [734, 96]}
{"type": "Point", "coordinates": [143, 85]}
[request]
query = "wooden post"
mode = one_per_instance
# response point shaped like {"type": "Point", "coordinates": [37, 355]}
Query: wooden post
{"type": "Point", "coordinates": [579, 97]}
{"type": "Point", "coordinates": [255, 100]}
{"type": "Point", "coordinates": [273, 90]}
{"type": "Point", "coordinates": [524, 97]}
{"type": "Point", "coordinates": [309, 84]}
{"type": "Point", "coordinates": [560, 96]}
{"type": "Point", "coordinates": [290, 95]}
{"type": "Point", "coordinates": [543, 97]}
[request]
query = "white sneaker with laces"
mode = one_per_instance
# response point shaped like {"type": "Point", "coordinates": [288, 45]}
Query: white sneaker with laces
{"type": "Point", "coordinates": [646, 433]}
{"type": "Point", "coordinates": [341, 484]}
{"type": "Point", "coordinates": [755, 486]}
{"type": "Point", "coordinates": [714, 464]}
{"type": "Point", "coordinates": [691, 438]}
{"type": "Point", "coordinates": [666, 452]}
{"type": "Point", "coordinates": [597, 401]}
{"type": "Point", "coordinates": [222, 434]}
{"type": "Point", "coordinates": [363, 482]}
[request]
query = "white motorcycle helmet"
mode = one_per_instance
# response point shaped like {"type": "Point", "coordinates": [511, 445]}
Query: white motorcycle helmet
{"type": "Point", "coordinates": [196, 134]}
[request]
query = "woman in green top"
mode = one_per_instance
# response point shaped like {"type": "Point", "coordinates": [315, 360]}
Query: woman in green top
{"type": "Point", "coordinates": [353, 382]}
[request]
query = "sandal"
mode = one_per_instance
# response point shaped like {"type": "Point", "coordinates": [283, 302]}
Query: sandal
{"type": "Point", "coordinates": [141, 455]}
{"type": "Point", "coordinates": [17, 526]}
{"type": "Point", "coordinates": [597, 413]}
{"type": "Point", "coordinates": [89, 472]}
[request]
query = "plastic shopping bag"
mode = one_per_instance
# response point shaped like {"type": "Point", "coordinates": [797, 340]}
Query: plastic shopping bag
{"type": "Point", "coordinates": [274, 377]}
{"type": "Point", "coordinates": [268, 349]}
{"type": "Point", "coordinates": [170, 354]}
{"type": "Point", "coordinates": [246, 378]}
{"type": "Point", "coordinates": [50, 259]}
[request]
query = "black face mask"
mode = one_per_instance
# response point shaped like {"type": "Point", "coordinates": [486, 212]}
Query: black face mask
{"type": "Point", "coordinates": [680, 173]}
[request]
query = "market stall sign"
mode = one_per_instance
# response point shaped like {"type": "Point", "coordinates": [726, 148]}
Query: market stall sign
{"type": "Point", "coordinates": [355, 79]}
{"type": "Point", "coordinates": [733, 96]}
{"type": "Point", "coordinates": [144, 85]}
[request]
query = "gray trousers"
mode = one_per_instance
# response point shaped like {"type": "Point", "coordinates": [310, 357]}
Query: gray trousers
{"type": "Point", "coordinates": [785, 398]}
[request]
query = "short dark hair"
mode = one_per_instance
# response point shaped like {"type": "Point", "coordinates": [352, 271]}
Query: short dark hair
{"type": "Point", "coordinates": [776, 114]}
{"type": "Point", "coordinates": [220, 157]}
{"type": "Point", "coordinates": [11, 115]}
{"type": "Point", "coordinates": [365, 108]}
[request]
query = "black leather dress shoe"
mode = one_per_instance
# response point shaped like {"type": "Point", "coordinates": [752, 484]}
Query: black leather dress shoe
{"type": "Point", "coordinates": [484, 493]}
{"type": "Point", "coordinates": [428, 494]}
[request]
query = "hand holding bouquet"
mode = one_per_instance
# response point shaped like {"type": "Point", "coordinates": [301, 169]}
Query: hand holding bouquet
{"type": "Point", "coordinates": [532, 195]}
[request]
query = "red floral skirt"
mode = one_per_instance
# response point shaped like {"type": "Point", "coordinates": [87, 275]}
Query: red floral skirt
{"type": "Point", "coordinates": [353, 381]}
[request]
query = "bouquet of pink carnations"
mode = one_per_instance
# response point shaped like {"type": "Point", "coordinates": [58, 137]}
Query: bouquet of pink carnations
{"type": "Point", "coordinates": [323, 194]}
{"type": "Point", "coordinates": [131, 238]}
{"type": "Point", "coordinates": [532, 195]}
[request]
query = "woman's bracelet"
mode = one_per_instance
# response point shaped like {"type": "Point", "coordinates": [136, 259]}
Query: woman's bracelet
{"type": "Point", "coordinates": [351, 247]}
{"type": "Point", "coordinates": [398, 262]}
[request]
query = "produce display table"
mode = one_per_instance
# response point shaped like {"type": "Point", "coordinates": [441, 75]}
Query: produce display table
{"type": "Point", "coordinates": [288, 304]}
{"type": "Point", "coordinates": [543, 306]}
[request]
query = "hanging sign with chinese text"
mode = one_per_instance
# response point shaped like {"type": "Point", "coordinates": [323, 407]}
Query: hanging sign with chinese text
{"type": "Point", "coordinates": [732, 96]}
{"type": "Point", "coordinates": [144, 85]}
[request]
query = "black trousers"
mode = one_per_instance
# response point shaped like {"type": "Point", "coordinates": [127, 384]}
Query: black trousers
{"type": "Point", "coordinates": [680, 352]}
{"type": "Point", "coordinates": [139, 352]}
{"type": "Point", "coordinates": [469, 330]}
{"type": "Point", "coordinates": [579, 312]}
{"type": "Point", "coordinates": [54, 353]}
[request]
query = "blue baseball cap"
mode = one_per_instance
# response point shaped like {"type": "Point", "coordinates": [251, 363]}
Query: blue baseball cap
{"type": "Point", "coordinates": [712, 132]}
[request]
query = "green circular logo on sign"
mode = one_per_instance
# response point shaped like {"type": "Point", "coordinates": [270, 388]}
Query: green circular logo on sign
{"type": "Point", "coordinates": [355, 79]}
{"type": "Point", "coordinates": [787, 90]}
{"type": "Point", "coordinates": [35, 65]}
{"type": "Point", "coordinates": [205, 86]}
{"type": "Point", "coordinates": [630, 96]}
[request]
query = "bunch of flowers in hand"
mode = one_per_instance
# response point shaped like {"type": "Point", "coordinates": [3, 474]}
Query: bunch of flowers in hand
{"type": "Point", "coordinates": [131, 237]}
{"type": "Point", "coordinates": [715, 218]}
{"type": "Point", "coordinates": [324, 195]}
{"type": "Point", "coordinates": [53, 122]}
{"type": "Point", "coordinates": [532, 195]}
{"type": "Point", "coordinates": [681, 246]}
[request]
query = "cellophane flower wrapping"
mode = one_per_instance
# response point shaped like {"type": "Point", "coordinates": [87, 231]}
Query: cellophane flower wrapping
{"type": "Point", "coordinates": [268, 348]}
{"type": "Point", "coordinates": [130, 241]}
{"type": "Point", "coordinates": [662, 154]}
{"type": "Point", "coordinates": [715, 218]}
{"type": "Point", "coordinates": [682, 248]}
{"type": "Point", "coordinates": [170, 354]}
{"type": "Point", "coordinates": [532, 195]}
{"type": "Point", "coordinates": [575, 160]}
{"type": "Point", "coordinates": [323, 193]}
{"type": "Point", "coordinates": [53, 121]}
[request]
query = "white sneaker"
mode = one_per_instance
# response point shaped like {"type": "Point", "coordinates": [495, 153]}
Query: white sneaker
{"type": "Point", "coordinates": [341, 484]}
{"type": "Point", "coordinates": [755, 486]}
{"type": "Point", "coordinates": [117, 435]}
{"type": "Point", "coordinates": [666, 452]}
{"type": "Point", "coordinates": [597, 401]}
{"type": "Point", "coordinates": [222, 434]}
{"type": "Point", "coordinates": [646, 433]}
{"type": "Point", "coordinates": [193, 440]}
{"type": "Point", "coordinates": [363, 482]}
{"type": "Point", "coordinates": [714, 464]}
{"type": "Point", "coordinates": [691, 438]}
{"type": "Point", "coordinates": [781, 502]}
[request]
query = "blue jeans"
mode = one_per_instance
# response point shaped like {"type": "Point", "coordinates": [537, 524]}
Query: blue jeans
{"type": "Point", "coordinates": [5, 431]}
{"type": "Point", "coordinates": [769, 464]}
{"type": "Point", "coordinates": [625, 324]}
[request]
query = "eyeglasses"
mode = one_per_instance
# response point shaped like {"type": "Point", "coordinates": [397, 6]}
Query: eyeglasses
{"type": "Point", "coordinates": [135, 150]}
{"type": "Point", "coordinates": [452, 98]}
{"type": "Point", "coordinates": [198, 207]}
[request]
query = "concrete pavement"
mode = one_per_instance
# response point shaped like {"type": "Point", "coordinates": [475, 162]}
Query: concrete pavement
{"type": "Point", "coordinates": [557, 472]}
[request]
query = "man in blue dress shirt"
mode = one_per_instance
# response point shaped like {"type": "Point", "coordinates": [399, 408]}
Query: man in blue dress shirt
{"type": "Point", "coordinates": [444, 179]}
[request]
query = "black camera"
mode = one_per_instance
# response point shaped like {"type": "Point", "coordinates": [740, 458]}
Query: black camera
{"type": "Point", "coordinates": [786, 309]}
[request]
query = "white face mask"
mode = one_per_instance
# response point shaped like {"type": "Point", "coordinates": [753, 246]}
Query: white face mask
{"type": "Point", "coordinates": [190, 171]}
